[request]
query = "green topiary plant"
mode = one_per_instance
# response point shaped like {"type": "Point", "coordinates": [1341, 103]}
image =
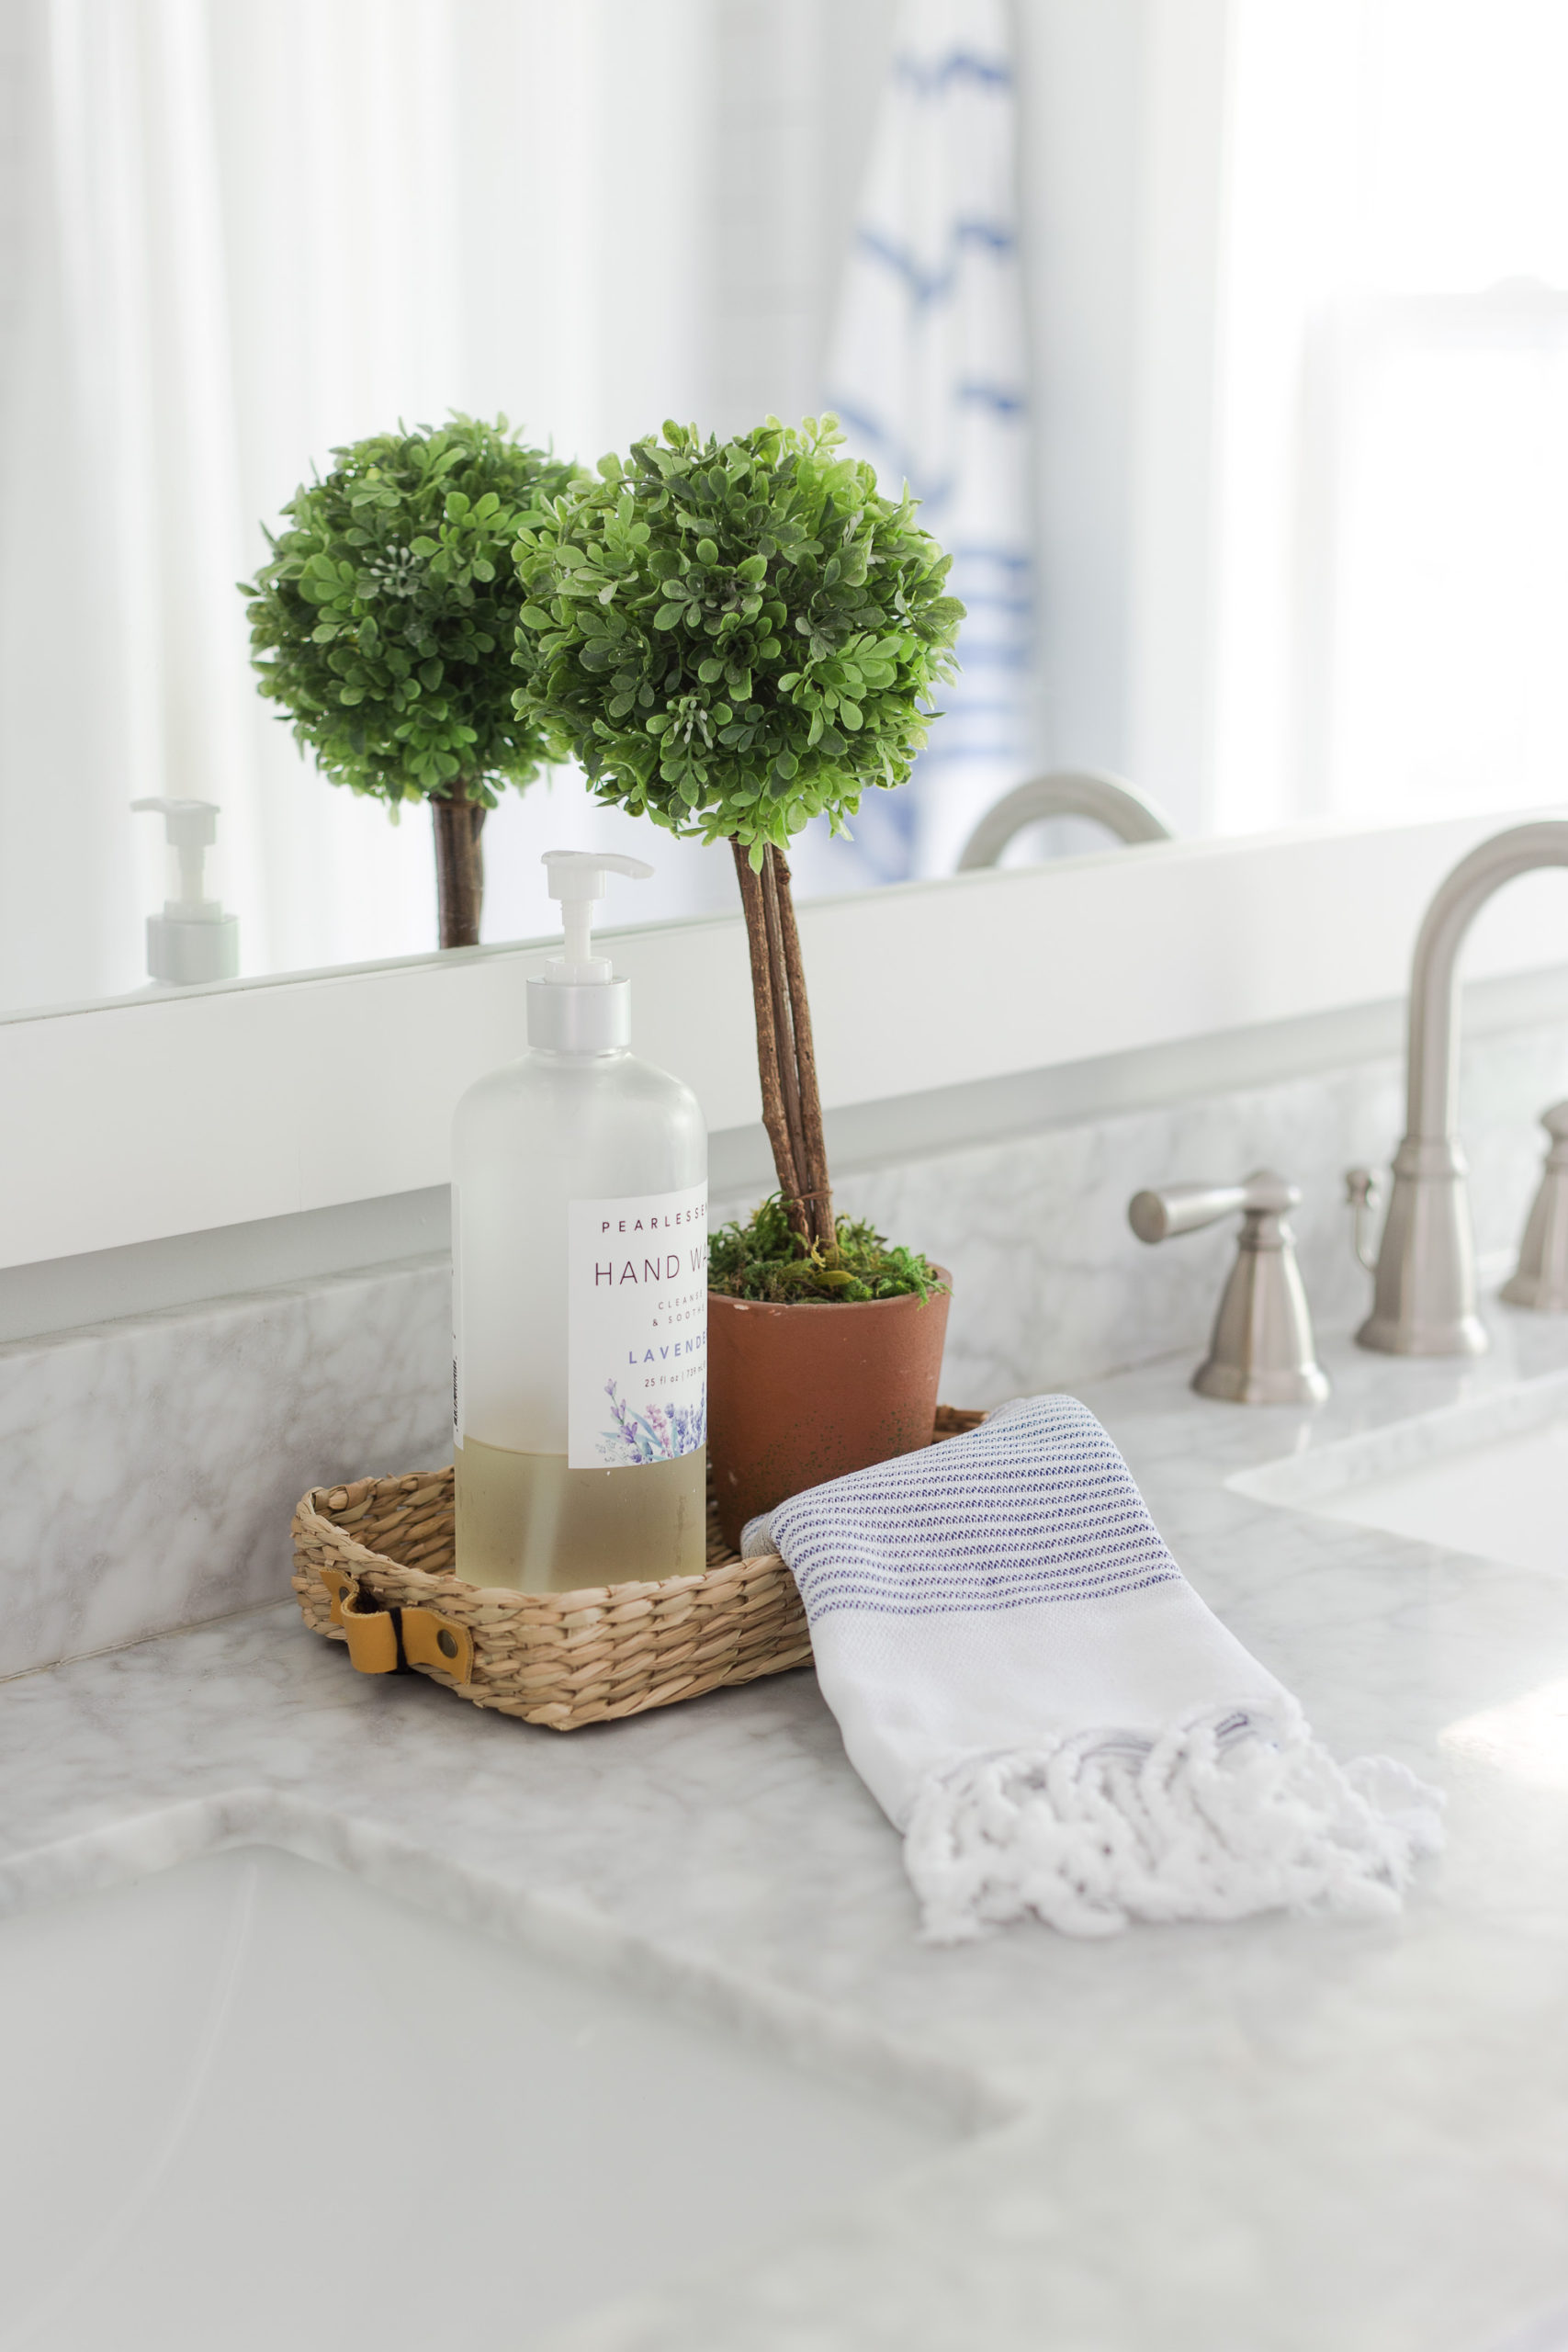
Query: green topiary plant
{"type": "Point", "coordinates": [734, 638]}
{"type": "Point", "coordinates": [384, 621]}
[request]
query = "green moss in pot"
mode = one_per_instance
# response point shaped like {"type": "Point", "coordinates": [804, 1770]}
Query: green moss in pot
{"type": "Point", "coordinates": [734, 638]}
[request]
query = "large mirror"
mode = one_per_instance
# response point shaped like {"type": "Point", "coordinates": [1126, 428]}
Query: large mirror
{"type": "Point", "coordinates": [1227, 345]}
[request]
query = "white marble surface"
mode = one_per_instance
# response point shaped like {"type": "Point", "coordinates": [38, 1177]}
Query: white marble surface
{"type": "Point", "coordinates": [1277, 2137]}
{"type": "Point", "coordinates": [148, 1468]}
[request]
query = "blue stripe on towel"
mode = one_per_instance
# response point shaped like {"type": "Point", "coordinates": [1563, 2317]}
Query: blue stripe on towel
{"type": "Point", "coordinates": [936, 78]}
{"type": "Point", "coordinates": [927, 286]}
{"type": "Point", "coordinates": [1037, 1507]}
{"type": "Point", "coordinates": [991, 396]}
{"type": "Point", "coordinates": [1010, 558]}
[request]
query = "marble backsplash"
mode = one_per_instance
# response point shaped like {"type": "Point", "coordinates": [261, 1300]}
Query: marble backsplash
{"type": "Point", "coordinates": [149, 1467]}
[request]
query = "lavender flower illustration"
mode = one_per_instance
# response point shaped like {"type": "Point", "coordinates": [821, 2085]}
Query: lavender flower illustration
{"type": "Point", "coordinates": [661, 1433]}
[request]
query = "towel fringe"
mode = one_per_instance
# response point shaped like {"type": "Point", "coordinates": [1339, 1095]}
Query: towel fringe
{"type": "Point", "coordinates": [1224, 1813]}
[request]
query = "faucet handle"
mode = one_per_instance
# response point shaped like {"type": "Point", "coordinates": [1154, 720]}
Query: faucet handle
{"type": "Point", "coordinates": [1262, 1350]}
{"type": "Point", "coordinates": [1541, 1279]}
{"type": "Point", "coordinates": [1363, 1192]}
{"type": "Point", "coordinates": [1188, 1208]}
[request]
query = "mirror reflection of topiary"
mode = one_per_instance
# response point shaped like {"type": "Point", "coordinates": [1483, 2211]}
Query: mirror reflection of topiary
{"type": "Point", "coordinates": [737, 637]}
{"type": "Point", "coordinates": [384, 622]}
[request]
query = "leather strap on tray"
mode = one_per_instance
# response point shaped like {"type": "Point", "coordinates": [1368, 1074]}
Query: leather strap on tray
{"type": "Point", "coordinates": [388, 1641]}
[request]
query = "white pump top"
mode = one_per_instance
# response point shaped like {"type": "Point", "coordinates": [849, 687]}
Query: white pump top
{"type": "Point", "coordinates": [190, 827]}
{"type": "Point", "coordinates": [580, 1006]}
{"type": "Point", "coordinates": [578, 878]}
{"type": "Point", "coordinates": [193, 939]}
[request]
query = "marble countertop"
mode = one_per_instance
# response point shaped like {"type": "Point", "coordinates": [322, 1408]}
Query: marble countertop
{"type": "Point", "coordinates": [1279, 2134]}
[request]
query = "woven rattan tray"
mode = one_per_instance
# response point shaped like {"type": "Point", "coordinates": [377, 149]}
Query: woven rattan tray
{"type": "Point", "coordinates": [373, 1569]}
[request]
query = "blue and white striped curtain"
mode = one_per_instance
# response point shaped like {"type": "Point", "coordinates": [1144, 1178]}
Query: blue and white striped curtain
{"type": "Point", "coordinates": [927, 373]}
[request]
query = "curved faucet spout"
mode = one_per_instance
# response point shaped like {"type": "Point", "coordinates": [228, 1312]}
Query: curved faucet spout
{"type": "Point", "coordinates": [1432, 1098]}
{"type": "Point", "coordinates": [1064, 792]}
{"type": "Point", "coordinates": [1425, 1301]}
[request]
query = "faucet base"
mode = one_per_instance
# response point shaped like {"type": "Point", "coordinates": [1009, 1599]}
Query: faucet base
{"type": "Point", "coordinates": [1391, 1335]}
{"type": "Point", "coordinates": [1232, 1383]}
{"type": "Point", "coordinates": [1424, 1301]}
{"type": "Point", "coordinates": [1544, 1295]}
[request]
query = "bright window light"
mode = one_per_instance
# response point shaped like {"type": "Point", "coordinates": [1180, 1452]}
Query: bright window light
{"type": "Point", "coordinates": [1392, 427]}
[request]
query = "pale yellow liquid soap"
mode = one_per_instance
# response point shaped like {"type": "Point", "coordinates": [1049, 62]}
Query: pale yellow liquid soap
{"type": "Point", "coordinates": [524, 1520]}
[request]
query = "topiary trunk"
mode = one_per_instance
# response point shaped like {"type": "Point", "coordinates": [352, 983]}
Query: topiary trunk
{"type": "Point", "coordinates": [792, 1106]}
{"type": "Point", "coordinates": [459, 866]}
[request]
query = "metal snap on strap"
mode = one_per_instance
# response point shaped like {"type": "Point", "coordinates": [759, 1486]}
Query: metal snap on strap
{"type": "Point", "coordinates": [430, 1640]}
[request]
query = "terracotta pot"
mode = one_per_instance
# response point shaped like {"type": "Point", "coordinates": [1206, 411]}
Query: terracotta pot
{"type": "Point", "coordinates": [803, 1393]}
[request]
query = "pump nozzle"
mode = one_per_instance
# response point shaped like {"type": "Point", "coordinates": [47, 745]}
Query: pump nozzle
{"type": "Point", "coordinates": [578, 878]}
{"type": "Point", "coordinates": [190, 828]}
{"type": "Point", "coordinates": [193, 939]}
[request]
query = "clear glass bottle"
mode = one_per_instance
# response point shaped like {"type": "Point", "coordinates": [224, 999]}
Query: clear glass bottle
{"type": "Point", "coordinates": [580, 1291]}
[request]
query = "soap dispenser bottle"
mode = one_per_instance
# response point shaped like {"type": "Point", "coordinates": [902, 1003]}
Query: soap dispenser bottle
{"type": "Point", "coordinates": [193, 939]}
{"type": "Point", "coordinates": [580, 1289]}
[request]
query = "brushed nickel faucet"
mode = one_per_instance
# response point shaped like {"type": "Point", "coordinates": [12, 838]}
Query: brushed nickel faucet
{"type": "Point", "coordinates": [1262, 1350]}
{"type": "Point", "coordinates": [1541, 1278]}
{"type": "Point", "coordinates": [1120, 806]}
{"type": "Point", "coordinates": [1424, 1303]}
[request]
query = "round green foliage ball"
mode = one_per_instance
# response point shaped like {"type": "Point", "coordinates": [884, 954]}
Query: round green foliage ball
{"type": "Point", "coordinates": [735, 636]}
{"type": "Point", "coordinates": [385, 618]}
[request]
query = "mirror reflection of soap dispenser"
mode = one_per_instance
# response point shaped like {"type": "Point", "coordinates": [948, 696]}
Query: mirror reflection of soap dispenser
{"type": "Point", "coordinates": [193, 939]}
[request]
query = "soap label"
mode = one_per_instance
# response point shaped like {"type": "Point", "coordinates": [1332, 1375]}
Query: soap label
{"type": "Point", "coordinates": [636, 1328]}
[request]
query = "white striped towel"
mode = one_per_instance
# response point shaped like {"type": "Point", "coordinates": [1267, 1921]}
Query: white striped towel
{"type": "Point", "coordinates": [928, 373]}
{"type": "Point", "coordinates": [1037, 1698]}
